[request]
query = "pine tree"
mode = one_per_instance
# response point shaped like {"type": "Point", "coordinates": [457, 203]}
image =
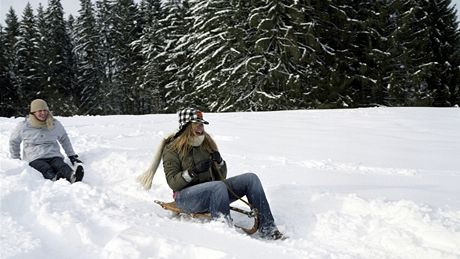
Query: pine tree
{"type": "Point", "coordinates": [9, 97]}
{"type": "Point", "coordinates": [175, 28]}
{"type": "Point", "coordinates": [10, 100]}
{"type": "Point", "coordinates": [59, 73]}
{"type": "Point", "coordinates": [151, 45]}
{"type": "Point", "coordinates": [74, 86]}
{"type": "Point", "coordinates": [444, 42]}
{"type": "Point", "coordinates": [378, 55]}
{"type": "Point", "coordinates": [127, 60]}
{"type": "Point", "coordinates": [310, 61]}
{"type": "Point", "coordinates": [42, 55]}
{"type": "Point", "coordinates": [334, 26]}
{"type": "Point", "coordinates": [88, 61]}
{"type": "Point", "coordinates": [104, 25]}
{"type": "Point", "coordinates": [27, 56]}
{"type": "Point", "coordinates": [226, 49]}
{"type": "Point", "coordinates": [209, 46]}
{"type": "Point", "coordinates": [366, 50]}
{"type": "Point", "coordinates": [274, 68]}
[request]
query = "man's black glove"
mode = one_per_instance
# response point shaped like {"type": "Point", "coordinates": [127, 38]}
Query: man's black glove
{"type": "Point", "coordinates": [215, 156]}
{"type": "Point", "coordinates": [74, 159]}
{"type": "Point", "coordinates": [199, 168]}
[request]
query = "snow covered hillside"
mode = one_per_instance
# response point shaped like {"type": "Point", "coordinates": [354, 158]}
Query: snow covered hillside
{"type": "Point", "coordinates": [358, 183]}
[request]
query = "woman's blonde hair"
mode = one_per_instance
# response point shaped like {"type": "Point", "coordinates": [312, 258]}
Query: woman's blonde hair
{"type": "Point", "coordinates": [181, 143]}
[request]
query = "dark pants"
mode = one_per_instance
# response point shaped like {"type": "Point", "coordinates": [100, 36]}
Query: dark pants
{"type": "Point", "coordinates": [215, 198]}
{"type": "Point", "coordinates": [52, 168]}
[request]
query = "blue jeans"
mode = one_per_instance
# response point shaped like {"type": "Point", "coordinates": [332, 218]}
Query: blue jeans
{"type": "Point", "coordinates": [214, 197]}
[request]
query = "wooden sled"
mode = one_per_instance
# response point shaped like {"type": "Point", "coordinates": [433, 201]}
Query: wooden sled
{"type": "Point", "coordinates": [171, 206]}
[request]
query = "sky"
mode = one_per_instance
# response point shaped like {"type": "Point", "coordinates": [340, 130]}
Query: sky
{"type": "Point", "coordinates": [347, 183]}
{"type": "Point", "coordinates": [72, 6]}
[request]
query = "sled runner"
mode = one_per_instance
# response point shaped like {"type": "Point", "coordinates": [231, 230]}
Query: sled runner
{"type": "Point", "coordinates": [171, 206]}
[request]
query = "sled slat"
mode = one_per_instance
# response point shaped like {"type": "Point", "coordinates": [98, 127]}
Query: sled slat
{"type": "Point", "coordinates": [171, 206]}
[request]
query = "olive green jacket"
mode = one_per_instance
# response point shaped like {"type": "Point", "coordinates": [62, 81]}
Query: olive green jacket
{"type": "Point", "coordinates": [174, 166]}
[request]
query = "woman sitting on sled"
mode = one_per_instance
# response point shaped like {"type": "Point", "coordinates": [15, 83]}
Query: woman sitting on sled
{"type": "Point", "coordinates": [196, 173]}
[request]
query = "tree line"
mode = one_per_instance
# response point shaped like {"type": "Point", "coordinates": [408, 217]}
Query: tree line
{"type": "Point", "coordinates": [123, 57]}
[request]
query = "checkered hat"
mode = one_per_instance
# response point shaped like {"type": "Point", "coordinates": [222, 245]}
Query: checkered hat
{"type": "Point", "coordinates": [190, 115]}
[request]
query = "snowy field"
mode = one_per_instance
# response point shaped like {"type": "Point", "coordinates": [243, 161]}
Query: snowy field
{"type": "Point", "coordinates": [358, 183]}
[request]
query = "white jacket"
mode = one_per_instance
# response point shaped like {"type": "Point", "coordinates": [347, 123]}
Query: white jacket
{"type": "Point", "coordinates": [39, 142]}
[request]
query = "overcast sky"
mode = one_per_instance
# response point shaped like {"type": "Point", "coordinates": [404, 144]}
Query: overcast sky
{"type": "Point", "coordinates": [72, 6]}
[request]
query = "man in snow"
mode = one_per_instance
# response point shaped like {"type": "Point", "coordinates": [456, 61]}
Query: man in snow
{"type": "Point", "coordinates": [196, 173]}
{"type": "Point", "coordinates": [40, 133]}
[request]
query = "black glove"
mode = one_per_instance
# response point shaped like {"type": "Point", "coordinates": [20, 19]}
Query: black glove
{"type": "Point", "coordinates": [215, 156]}
{"type": "Point", "coordinates": [199, 168]}
{"type": "Point", "coordinates": [74, 159]}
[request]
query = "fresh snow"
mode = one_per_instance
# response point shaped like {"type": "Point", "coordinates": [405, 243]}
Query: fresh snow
{"type": "Point", "coordinates": [356, 183]}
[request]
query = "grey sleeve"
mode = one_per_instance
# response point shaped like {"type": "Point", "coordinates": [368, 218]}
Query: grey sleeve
{"type": "Point", "coordinates": [63, 138]}
{"type": "Point", "coordinates": [15, 141]}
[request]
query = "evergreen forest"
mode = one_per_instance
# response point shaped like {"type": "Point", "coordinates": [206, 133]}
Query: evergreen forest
{"type": "Point", "coordinates": [159, 56]}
